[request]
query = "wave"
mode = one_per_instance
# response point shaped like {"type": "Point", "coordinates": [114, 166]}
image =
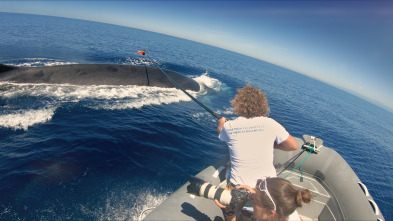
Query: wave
{"type": "Point", "coordinates": [206, 82]}
{"type": "Point", "coordinates": [36, 62]}
{"type": "Point", "coordinates": [120, 209]}
{"type": "Point", "coordinates": [117, 205]}
{"type": "Point", "coordinates": [44, 99]}
{"type": "Point", "coordinates": [39, 62]}
{"type": "Point", "coordinates": [23, 119]}
{"type": "Point", "coordinates": [203, 115]}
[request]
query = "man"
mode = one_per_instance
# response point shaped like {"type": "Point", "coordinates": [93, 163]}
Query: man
{"type": "Point", "coordinates": [251, 138]}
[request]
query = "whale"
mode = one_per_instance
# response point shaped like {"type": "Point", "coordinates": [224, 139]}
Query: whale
{"type": "Point", "coordinates": [96, 74]}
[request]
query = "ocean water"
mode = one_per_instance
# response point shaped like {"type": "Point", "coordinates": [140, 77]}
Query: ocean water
{"type": "Point", "coordinates": [110, 152]}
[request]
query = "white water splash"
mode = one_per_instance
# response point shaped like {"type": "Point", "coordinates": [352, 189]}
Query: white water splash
{"type": "Point", "coordinates": [107, 97]}
{"type": "Point", "coordinates": [25, 118]}
{"type": "Point", "coordinates": [117, 206]}
{"type": "Point", "coordinates": [138, 61]}
{"type": "Point", "coordinates": [203, 115]}
{"type": "Point", "coordinates": [36, 62]}
{"type": "Point", "coordinates": [207, 82]}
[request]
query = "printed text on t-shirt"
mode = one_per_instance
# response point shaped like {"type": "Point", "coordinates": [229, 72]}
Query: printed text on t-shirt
{"type": "Point", "coordinates": [249, 129]}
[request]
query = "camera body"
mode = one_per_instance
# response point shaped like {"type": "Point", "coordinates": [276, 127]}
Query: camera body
{"type": "Point", "coordinates": [234, 200]}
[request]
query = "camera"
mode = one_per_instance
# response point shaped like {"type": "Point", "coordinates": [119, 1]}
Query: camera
{"type": "Point", "coordinates": [234, 200]}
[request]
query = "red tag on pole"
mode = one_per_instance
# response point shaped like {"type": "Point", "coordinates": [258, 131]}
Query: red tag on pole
{"type": "Point", "coordinates": [141, 52]}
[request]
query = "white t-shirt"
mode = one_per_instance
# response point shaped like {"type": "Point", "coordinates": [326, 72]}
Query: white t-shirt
{"type": "Point", "coordinates": [294, 216]}
{"type": "Point", "coordinates": [251, 143]}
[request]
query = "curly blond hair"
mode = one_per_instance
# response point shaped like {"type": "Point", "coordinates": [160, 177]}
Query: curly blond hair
{"type": "Point", "coordinates": [250, 102]}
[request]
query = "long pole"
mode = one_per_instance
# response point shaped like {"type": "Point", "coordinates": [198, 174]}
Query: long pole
{"type": "Point", "coordinates": [179, 87]}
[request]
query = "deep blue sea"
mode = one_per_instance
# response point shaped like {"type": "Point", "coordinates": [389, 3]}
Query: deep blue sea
{"type": "Point", "coordinates": [109, 152]}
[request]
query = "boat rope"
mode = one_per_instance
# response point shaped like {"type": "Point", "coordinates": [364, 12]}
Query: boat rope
{"type": "Point", "coordinates": [292, 159]}
{"type": "Point", "coordinates": [179, 87]}
{"type": "Point", "coordinates": [310, 149]}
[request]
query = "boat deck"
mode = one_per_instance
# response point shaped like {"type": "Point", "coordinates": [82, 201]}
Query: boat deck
{"type": "Point", "coordinates": [323, 206]}
{"type": "Point", "coordinates": [337, 192]}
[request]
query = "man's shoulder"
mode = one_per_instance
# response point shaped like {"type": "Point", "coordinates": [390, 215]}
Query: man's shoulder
{"type": "Point", "coordinates": [265, 119]}
{"type": "Point", "coordinates": [251, 121]}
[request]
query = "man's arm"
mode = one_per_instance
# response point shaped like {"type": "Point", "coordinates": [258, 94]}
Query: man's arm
{"type": "Point", "coordinates": [221, 123]}
{"type": "Point", "coordinates": [289, 144]}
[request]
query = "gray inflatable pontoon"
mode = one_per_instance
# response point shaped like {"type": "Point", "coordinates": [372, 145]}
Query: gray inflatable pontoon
{"type": "Point", "coordinates": [338, 194]}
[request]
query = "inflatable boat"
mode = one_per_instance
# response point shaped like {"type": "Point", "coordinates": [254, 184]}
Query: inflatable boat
{"type": "Point", "coordinates": [338, 193]}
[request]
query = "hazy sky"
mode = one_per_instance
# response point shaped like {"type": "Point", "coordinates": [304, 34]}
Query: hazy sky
{"type": "Point", "coordinates": [345, 43]}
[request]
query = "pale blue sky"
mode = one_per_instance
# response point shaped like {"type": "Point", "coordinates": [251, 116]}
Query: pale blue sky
{"type": "Point", "coordinates": [344, 43]}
